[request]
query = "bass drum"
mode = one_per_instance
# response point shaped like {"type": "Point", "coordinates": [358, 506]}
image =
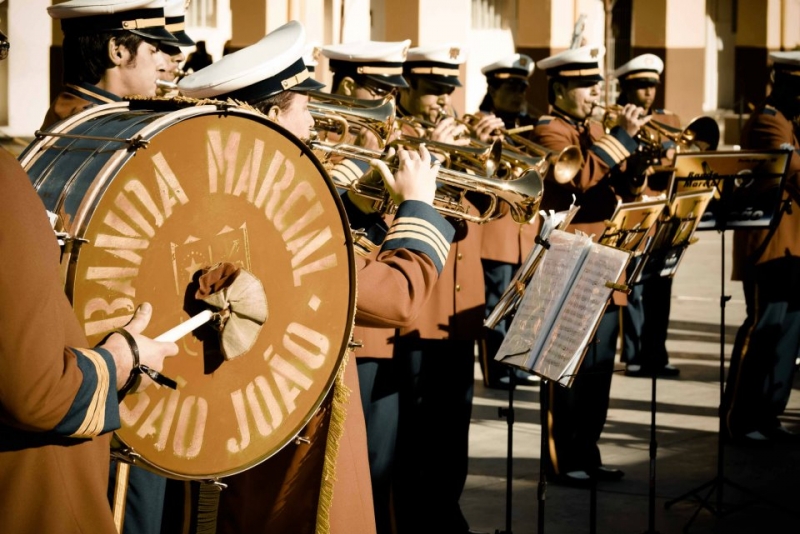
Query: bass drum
{"type": "Point", "coordinates": [150, 197]}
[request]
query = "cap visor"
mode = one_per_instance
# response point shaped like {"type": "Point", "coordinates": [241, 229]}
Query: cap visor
{"type": "Point", "coordinates": [181, 39]}
{"type": "Point", "coordinates": [156, 33]}
{"type": "Point", "coordinates": [392, 81]}
{"type": "Point", "coordinates": [449, 81]}
{"type": "Point", "coordinates": [309, 84]}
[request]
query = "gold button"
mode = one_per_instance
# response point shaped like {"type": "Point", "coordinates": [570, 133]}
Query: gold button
{"type": "Point", "coordinates": [458, 287]}
{"type": "Point", "coordinates": [459, 256]}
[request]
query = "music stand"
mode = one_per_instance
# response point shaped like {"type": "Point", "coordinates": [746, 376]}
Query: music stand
{"type": "Point", "coordinates": [558, 316]}
{"type": "Point", "coordinates": [659, 256]}
{"type": "Point", "coordinates": [505, 309]}
{"type": "Point", "coordinates": [747, 194]}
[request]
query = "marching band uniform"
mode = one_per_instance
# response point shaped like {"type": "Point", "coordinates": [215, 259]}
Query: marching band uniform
{"type": "Point", "coordinates": [766, 260]}
{"type": "Point", "coordinates": [59, 403]}
{"type": "Point", "coordinates": [143, 512]}
{"type": "Point", "coordinates": [435, 359]}
{"type": "Point", "coordinates": [369, 69]}
{"type": "Point", "coordinates": [283, 493]}
{"type": "Point", "coordinates": [84, 17]}
{"type": "Point", "coordinates": [645, 319]}
{"type": "Point", "coordinates": [576, 415]}
{"type": "Point", "coordinates": [506, 243]}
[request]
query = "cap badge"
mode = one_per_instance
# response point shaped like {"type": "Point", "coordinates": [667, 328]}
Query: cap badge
{"type": "Point", "coordinates": [594, 52]}
{"type": "Point", "coordinates": [523, 61]}
{"type": "Point", "coordinates": [454, 52]}
{"type": "Point", "coordinates": [315, 53]}
{"type": "Point", "coordinates": [404, 53]}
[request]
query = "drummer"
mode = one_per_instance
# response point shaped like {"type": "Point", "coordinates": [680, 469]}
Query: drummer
{"type": "Point", "coordinates": [110, 50]}
{"type": "Point", "coordinates": [287, 492]}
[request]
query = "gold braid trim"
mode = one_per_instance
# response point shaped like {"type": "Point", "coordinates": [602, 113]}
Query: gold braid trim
{"type": "Point", "coordinates": [341, 396]}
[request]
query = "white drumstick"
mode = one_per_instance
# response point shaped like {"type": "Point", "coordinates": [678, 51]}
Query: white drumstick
{"type": "Point", "coordinates": [174, 334]}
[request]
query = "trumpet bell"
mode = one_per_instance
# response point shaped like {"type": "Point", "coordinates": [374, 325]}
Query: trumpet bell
{"type": "Point", "coordinates": [702, 133]}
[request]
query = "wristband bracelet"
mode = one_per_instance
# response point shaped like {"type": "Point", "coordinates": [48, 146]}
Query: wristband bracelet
{"type": "Point", "coordinates": [138, 369]}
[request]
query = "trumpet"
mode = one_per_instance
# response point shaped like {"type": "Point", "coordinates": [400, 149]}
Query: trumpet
{"type": "Point", "coordinates": [515, 157]}
{"type": "Point", "coordinates": [522, 194]}
{"type": "Point", "coordinates": [701, 134]}
{"type": "Point", "coordinates": [342, 115]}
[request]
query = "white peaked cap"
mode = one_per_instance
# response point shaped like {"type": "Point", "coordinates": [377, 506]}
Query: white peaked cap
{"type": "Point", "coordinates": [381, 61]}
{"type": "Point", "coordinates": [142, 17]}
{"type": "Point", "coordinates": [787, 63]}
{"type": "Point", "coordinates": [644, 67]}
{"type": "Point", "coordinates": [514, 66]}
{"type": "Point", "coordinates": [437, 63]}
{"type": "Point", "coordinates": [575, 64]}
{"type": "Point", "coordinates": [266, 68]}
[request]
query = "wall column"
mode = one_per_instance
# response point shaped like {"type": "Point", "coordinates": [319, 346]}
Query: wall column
{"type": "Point", "coordinates": [758, 31]}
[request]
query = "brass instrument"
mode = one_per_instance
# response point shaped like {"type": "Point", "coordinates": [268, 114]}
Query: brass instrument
{"type": "Point", "coordinates": [342, 115]}
{"type": "Point", "coordinates": [701, 134]}
{"type": "Point", "coordinates": [515, 157]}
{"type": "Point", "coordinates": [522, 194]}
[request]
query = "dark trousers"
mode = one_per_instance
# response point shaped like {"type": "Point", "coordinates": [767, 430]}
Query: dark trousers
{"type": "Point", "coordinates": [762, 364]}
{"type": "Point", "coordinates": [645, 321]}
{"type": "Point", "coordinates": [577, 414]}
{"type": "Point", "coordinates": [436, 388]}
{"type": "Point", "coordinates": [144, 502]}
{"type": "Point", "coordinates": [380, 400]}
{"type": "Point", "coordinates": [497, 277]}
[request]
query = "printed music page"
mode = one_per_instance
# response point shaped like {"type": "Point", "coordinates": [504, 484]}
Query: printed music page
{"type": "Point", "coordinates": [543, 298]}
{"type": "Point", "coordinates": [562, 306]}
{"type": "Point", "coordinates": [581, 313]}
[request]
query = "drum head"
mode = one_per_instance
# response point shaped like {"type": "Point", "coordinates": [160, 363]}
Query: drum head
{"type": "Point", "coordinates": [211, 187]}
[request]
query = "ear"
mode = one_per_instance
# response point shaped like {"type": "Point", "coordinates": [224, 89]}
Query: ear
{"type": "Point", "coordinates": [559, 89]}
{"type": "Point", "coordinates": [115, 51]}
{"type": "Point", "coordinates": [347, 86]}
{"type": "Point", "coordinates": [273, 113]}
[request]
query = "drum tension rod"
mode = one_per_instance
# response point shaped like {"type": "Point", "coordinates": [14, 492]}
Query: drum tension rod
{"type": "Point", "coordinates": [136, 142]}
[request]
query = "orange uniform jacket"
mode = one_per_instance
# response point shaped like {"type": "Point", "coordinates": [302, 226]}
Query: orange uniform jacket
{"type": "Point", "coordinates": [768, 128]}
{"type": "Point", "coordinates": [54, 400]}
{"type": "Point", "coordinates": [592, 191]}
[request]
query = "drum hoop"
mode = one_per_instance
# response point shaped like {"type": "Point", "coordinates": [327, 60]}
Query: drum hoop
{"type": "Point", "coordinates": [92, 197]}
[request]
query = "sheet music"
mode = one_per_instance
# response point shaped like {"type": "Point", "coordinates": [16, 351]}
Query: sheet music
{"type": "Point", "coordinates": [580, 313]}
{"type": "Point", "coordinates": [543, 298]}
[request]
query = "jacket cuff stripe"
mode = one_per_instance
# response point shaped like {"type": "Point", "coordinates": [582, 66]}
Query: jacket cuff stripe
{"type": "Point", "coordinates": [95, 408]}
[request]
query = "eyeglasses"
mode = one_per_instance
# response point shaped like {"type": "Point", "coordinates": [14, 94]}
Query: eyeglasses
{"type": "Point", "coordinates": [4, 47]}
{"type": "Point", "coordinates": [379, 92]}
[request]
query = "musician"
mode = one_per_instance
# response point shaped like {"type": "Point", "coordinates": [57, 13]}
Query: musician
{"type": "Point", "coordinates": [59, 399]}
{"type": "Point", "coordinates": [175, 12]}
{"type": "Point", "coordinates": [435, 355]}
{"type": "Point", "coordinates": [766, 260]}
{"type": "Point", "coordinates": [103, 61]}
{"type": "Point", "coordinates": [372, 70]}
{"type": "Point", "coordinates": [646, 316]}
{"type": "Point", "coordinates": [575, 416]}
{"type": "Point", "coordinates": [506, 243]}
{"type": "Point", "coordinates": [287, 493]}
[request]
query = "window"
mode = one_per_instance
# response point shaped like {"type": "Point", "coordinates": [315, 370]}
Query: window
{"type": "Point", "coordinates": [202, 14]}
{"type": "Point", "coordinates": [492, 14]}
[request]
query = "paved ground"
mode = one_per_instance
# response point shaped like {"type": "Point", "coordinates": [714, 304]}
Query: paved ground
{"type": "Point", "coordinates": [686, 436]}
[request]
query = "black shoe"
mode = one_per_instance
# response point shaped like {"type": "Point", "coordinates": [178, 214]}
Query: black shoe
{"type": "Point", "coordinates": [781, 433]}
{"type": "Point", "coordinates": [524, 378]}
{"type": "Point", "coordinates": [608, 474]}
{"type": "Point", "coordinates": [575, 479]}
{"type": "Point", "coordinates": [667, 371]}
{"type": "Point", "coordinates": [755, 439]}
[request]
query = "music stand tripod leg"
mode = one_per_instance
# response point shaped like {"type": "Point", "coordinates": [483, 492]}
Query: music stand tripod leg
{"type": "Point", "coordinates": [508, 413]}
